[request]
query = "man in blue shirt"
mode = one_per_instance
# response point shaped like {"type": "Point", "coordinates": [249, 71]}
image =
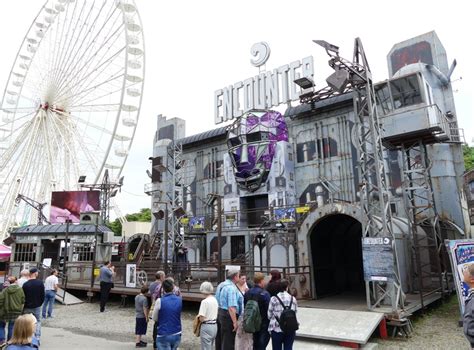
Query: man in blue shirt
{"type": "Point", "coordinates": [107, 272]}
{"type": "Point", "coordinates": [258, 293]}
{"type": "Point", "coordinates": [229, 310]}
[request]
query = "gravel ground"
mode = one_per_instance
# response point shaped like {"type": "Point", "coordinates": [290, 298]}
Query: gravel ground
{"type": "Point", "coordinates": [437, 329]}
{"type": "Point", "coordinates": [117, 323]}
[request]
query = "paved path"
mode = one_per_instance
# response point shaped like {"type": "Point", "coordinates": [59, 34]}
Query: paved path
{"type": "Point", "coordinates": [60, 339]}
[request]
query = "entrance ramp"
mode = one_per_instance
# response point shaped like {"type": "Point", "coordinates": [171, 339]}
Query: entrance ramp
{"type": "Point", "coordinates": [337, 325]}
{"type": "Point", "coordinates": [68, 299]}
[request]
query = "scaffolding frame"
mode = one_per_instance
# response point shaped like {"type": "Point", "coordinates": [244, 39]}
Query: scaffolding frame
{"type": "Point", "coordinates": [423, 218]}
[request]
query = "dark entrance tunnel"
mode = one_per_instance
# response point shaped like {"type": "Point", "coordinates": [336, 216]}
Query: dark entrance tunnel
{"type": "Point", "coordinates": [336, 250]}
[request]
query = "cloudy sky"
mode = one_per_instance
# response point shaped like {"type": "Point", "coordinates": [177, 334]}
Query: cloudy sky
{"type": "Point", "coordinates": [196, 47]}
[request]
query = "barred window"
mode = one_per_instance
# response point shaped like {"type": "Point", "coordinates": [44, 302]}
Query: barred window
{"type": "Point", "coordinates": [82, 252]}
{"type": "Point", "coordinates": [25, 252]}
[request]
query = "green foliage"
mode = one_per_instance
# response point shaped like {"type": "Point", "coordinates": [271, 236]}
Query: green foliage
{"type": "Point", "coordinates": [143, 216]}
{"type": "Point", "coordinates": [468, 153]}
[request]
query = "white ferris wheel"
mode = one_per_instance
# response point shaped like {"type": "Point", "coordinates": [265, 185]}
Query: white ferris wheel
{"type": "Point", "coordinates": [71, 103]}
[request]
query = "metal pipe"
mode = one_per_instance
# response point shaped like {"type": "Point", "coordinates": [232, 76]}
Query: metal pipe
{"type": "Point", "coordinates": [165, 233]}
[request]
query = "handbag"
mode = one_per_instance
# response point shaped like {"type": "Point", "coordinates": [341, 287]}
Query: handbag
{"type": "Point", "coordinates": [197, 326]}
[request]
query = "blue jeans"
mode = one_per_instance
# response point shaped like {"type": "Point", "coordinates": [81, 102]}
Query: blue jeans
{"type": "Point", "coordinates": [37, 313]}
{"type": "Point", "coordinates": [284, 340]}
{"type": "Point", "coordinates": [168, 342]}
{"type": "Point", "coordinates": [49, 298]}
{"type": "Point", "coordinates": [2, 330]}
{"type": "Point", "coordinates": [261, 338]}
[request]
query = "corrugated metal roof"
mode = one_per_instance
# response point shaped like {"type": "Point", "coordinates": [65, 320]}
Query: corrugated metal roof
{"type": "Point", "coordinates": [59, 228]}
{"type": "Point", "coordinates": [302, 109]}
{"type": "Point", "coordinates": [204, 136]}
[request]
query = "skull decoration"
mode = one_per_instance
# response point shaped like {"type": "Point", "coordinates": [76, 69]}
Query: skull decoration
{"type": "Point", "coordinates": [251, 142]}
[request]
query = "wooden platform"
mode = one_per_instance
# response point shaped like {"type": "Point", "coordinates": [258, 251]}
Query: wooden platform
{"type": "Point", "coordinates": [120, 290]}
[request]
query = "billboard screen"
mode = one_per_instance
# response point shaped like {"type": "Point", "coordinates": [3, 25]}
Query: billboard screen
{"type": "Point", "coordinates": [70, 204]}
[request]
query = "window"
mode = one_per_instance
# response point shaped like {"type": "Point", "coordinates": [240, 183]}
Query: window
{"type": "Point", "coordinates": [384, 102]}
{"type": "Point", "coordinates": [405, 91]}
{"type": "Point", "coordinates": [82, 252]}
{"type": "Point", "coordinates": [25, 252]}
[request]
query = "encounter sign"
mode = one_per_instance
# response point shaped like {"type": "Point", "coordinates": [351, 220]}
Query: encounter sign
{"type": "Point", "coordinates": [377, 255]}
{"type": "Point", "coordinates": [461, 255]}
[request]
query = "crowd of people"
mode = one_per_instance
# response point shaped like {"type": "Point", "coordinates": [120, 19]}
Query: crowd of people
{"type": "Point", "coordinates": [23, 303]}
{"type": "Point", "coordinates": [241, 315]}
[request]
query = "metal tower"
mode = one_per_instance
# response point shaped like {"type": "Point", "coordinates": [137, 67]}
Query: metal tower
{"type": "Point", "coordinates": [355, 76]}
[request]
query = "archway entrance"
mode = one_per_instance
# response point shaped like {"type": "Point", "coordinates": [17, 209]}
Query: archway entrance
{"type": "Point", "coordinates": [336, 253]}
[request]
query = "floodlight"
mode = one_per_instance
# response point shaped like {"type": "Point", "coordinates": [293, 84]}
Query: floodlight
{"type": "Point", "coordinates": [82, 179]}
{"type": "Point", "coordinates": [304, 83]}
{"type": "Point", "coordinates": [114, 192]}
{"type": "Point", "coordinates": [148, 173]}
{"type": "Point", "coordinates": [120, 182]}
{"type": "Point", "coordinates": [338, 80]}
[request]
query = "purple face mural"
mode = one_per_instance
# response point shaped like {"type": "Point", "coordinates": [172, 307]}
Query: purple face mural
{"type": "Point", "coordinates": [251, 141]}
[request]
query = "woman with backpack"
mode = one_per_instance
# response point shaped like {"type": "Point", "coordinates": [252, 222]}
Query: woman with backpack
{"type": "Point", "coordinates": [282, 315]}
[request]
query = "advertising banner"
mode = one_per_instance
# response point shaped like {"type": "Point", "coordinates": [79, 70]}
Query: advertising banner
{"type": "Point", "coordinates": [461, 255]}
{"type": "Point", "coordinates": [286, 215]}
{"type": "Point", "coordinates": [70, 204]}
{"type": "Point", "coordinates": [197, 223]}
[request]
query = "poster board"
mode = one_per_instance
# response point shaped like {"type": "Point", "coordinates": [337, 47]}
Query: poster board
{"type": "Point", "coordinates": [378, 260]}
{"type": "Point", "coordinates": [461, 255]}
{"type": "Point", "coordinates": [286, 215]}
{"type": "Point", "coordinates": [131, 276]}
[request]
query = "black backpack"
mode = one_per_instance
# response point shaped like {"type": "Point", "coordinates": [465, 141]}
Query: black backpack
{"type": "Point", "coordinates": [287, 320]}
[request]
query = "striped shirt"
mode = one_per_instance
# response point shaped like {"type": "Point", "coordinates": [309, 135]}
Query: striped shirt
{"type": "Point", "coordinates": [275, 308]}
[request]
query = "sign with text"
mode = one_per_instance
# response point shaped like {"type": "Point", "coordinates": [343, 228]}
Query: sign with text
{"type": "Point", "coordinates": [377, 256]}
{"type": "Point", "coordinates": [461, 255]}
{"type": "Point", "coordinates": [263, 91]}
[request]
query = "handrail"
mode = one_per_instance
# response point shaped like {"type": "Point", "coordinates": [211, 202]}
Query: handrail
{"type": "Point", "coordinates": [137, 256]}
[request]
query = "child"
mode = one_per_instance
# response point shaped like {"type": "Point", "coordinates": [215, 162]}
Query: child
{"type": "Point", "coordinates": [23, 334]}
{"type": "Point", "coordinates": [141, 314]}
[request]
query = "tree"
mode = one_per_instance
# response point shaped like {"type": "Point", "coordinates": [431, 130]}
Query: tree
{"type": "Point", "coordinates": [468, 153]}
{"type": "Point", "coordinates": [143, 216]}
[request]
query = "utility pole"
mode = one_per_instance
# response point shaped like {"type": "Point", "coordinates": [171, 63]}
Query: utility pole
{"type": "Point", "coordinates": [211, 198]}
{"type": "Point", "coordinates": [66, 250]}
{"type": "Point", "coordinates": [95, 252]}
{"type": "Point", "coordinates": [219, 238]}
